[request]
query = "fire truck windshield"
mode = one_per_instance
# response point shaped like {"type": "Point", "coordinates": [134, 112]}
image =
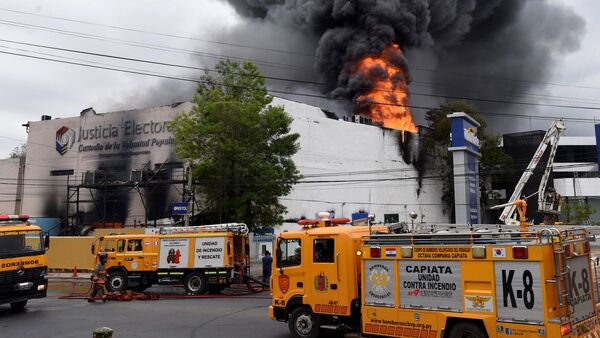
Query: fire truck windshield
{"type": "Point", "coordinates": [21, 243]}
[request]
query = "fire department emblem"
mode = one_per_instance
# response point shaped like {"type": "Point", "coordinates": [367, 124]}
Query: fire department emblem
{"type": "Point", "coordinates": [379, 278]}
{"type": "Point", "coordinates": [478, 303]}
{"type": "Point", "coordinates": [321, 282]}
{"type": "Point", "coordinates": [65, 138]}
{"type": "Point", "coordinates": [284, 283]}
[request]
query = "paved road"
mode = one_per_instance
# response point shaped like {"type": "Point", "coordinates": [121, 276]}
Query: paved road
{"type": "Point", "coordinates": [222, 318]}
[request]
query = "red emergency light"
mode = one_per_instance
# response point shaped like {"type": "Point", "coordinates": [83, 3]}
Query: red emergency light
{"type": "Point", "coordinates": [565, 329]}
{"type": "Point", "coordinates": [568, 250]}
{"type": "Point", "coordinates": [586, 247]}
{"type": "Point", "coordinates": [520, 252]}
{"type": "Point", "coordinates": [14, 218]}
{"type": "Point", "coordinates": [375, 252]}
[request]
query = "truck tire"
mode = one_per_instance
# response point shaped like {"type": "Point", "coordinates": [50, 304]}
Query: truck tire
{"type": "Point", "coordinates": [195, 283]}
{"type": "Point", "coordinates": [18, 306]}
{"type": "Point", "coordinates": [303, 323]}
{"type": "Point", "coordinates": [467, 330]}
{"type": "Point", "coordinates": [116, 281]}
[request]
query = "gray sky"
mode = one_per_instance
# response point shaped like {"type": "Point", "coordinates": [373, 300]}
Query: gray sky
{"type": "Point", "coordinates": [33, 87]}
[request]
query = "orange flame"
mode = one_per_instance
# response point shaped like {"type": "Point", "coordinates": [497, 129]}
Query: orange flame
{"type": "Point", "coordinates": [387, 100]}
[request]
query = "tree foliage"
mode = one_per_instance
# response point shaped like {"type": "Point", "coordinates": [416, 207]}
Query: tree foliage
{"type": "Point", "coordinates": [240, 146]}
{"type": "Point", "coordinates": [494, 163]}
{"type": "Point", "coordinates": [573, 212]}
{"type": "Point", "coordinates": [18, 152]}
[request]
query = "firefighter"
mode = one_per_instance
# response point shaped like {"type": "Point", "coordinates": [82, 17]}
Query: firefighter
{"type": "Point", "coordinates": [98, 279]}
{"type": "Point", "coordinates": [267, 262]}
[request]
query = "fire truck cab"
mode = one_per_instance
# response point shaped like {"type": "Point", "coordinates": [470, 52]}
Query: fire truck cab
{"type": "Point", "coordinates": [315, 276]}
{"type": "Point", "coordinates": [460, 283]}
{"type": "Point", "coordinates": [23, 268]}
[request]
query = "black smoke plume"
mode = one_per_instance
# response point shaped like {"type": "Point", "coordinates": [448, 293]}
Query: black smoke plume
{"type": "Point", "coordinates": [470, 45]}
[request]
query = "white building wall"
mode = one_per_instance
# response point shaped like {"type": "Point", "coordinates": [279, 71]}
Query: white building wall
{"type": "Point", "coordinates": [9, 172]}
{"type": "Point", "coordinates": [367, 158]}
{"type": "Point", "coordinates": [582, 186]}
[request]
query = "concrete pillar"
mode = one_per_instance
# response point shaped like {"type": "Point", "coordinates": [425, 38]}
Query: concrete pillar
{"type": "Point", "coordinates": [464, 146]}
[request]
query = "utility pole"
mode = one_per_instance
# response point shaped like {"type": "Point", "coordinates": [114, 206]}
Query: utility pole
{"type": "Point", "coordinates": [189, 191]}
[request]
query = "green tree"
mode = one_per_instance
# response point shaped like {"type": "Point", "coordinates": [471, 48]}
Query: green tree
{"type": "Point", "coordinates": [572, 212]}
{"type": "Point", "coordinates": [18, 152]}
{"type": "Point", "coordinates": [239, 145]}
{"type": "Point", "coordinates": [494, 163]}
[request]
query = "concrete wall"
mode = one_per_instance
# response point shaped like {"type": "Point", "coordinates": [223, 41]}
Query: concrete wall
{"type": "Point", "coordinates": [67, 252]}
{"type": "Point", "coordinates": [9, 171]}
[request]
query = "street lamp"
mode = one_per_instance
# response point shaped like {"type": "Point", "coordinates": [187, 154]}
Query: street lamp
{"type": "Point", "coordinates": [413, 215]}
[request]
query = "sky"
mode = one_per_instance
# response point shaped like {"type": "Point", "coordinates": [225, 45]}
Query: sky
{"type": "Point", "coordinates": [195, 34]}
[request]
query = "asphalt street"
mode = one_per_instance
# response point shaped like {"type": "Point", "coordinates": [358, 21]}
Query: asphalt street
{"type": "Point", "coordinates": [206, 317]}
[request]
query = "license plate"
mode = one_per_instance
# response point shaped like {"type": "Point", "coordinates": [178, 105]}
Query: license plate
{"type": "Point", "coordinates": [24, 286]}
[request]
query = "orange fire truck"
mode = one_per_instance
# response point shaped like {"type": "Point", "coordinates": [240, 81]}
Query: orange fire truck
{"type": "Point", "coordinates": [23, 269]}
{"type": "Point", "coordinates": [199, 257]}
{"type": "Point", "coordinates": [457, 283]}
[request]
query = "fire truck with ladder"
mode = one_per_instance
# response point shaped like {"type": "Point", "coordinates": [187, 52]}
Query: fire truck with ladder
{"type": "Point", "coordinates": [202, 258]}
{"type": "Point", "coordinates": [23, 268]}
{"type": "Point", "coordinates": [476, 281]}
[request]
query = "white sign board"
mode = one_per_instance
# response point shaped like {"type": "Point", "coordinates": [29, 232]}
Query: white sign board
{"type": "Point", "coordinates": [210, 252]}
{"type": "Point", "coordinates": [173, 253]}
{"type": "Point", "coordinates": [581, 284]}
{"type": "Point", "coordinates": [519, 291]}
{"type": "Point", "coordinates": [430, 284]}
{"type": "Point", "coordinates": [379, 282]}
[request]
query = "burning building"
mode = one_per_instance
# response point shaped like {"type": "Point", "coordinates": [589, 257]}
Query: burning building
{"type": "Point", "coordinates": [119, 168]}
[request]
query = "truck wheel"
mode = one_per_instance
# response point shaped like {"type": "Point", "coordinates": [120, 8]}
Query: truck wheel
{"type": "Point", "coordinates": [303, 323]}
{"type": "Point", "coordinates": [195, 283]}
{"type": "Point", "coordinates": [467, 330]}
{"type": "Point", "coordinates": [18, 306]}
{"type": "Point", "coordinates": [116, 282]}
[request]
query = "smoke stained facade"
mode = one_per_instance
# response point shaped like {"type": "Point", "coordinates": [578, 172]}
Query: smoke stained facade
{"type": "Point", "coordinates": [109, 153]}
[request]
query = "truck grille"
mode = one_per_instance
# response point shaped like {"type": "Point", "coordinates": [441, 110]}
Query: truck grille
{"type": "Point", "coordinates": [11, 276]}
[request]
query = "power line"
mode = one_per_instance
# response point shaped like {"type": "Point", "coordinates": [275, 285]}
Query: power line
{"type": "Point", "coordinates": [172, 77]}
{"type": "Point", "coordinates": [285, 51]}
{"type": "Point", "coordinates": [160, 34]}
{"type": "Point", "coordinates": [151, 46]}
{"type": "Point", "coordinates": [117, 57]}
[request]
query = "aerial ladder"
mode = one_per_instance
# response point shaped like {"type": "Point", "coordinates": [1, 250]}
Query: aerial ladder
{"type": "Point", "coordinates": [548, 203]}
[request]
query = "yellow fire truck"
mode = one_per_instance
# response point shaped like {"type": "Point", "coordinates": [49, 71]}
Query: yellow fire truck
{"type": "Point", "coordinates": [457, 283]}
{"type": "Point", "coordinates": [23, 269]}
{"type": "Point", "coordinates": [199, 257]}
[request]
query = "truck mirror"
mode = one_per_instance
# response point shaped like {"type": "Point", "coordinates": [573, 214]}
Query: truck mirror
{"type": "Point", "coordinates": [93, 249]}
{"type": "Point", "coordinates": [47, 242]}
{"type": "Point", "coordinates": [278, 256]}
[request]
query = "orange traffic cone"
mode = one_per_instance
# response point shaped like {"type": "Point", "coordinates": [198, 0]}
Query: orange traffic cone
{"type": "Point", "coordinates": [74, 271]}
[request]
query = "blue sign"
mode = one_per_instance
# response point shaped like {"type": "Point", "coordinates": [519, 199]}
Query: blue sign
{"type": "Point", "coordinates": [472, 178]}
{"type": "Point", "coordinates": [360, 218]}
{"type": "Point", "coordinates": [597, 127]}
{"type": "Point", "coordinates": [464, 132]}
{"type": "Point", "coordinates": [180, 209]}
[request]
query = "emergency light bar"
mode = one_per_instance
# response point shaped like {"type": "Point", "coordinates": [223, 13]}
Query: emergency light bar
{"type": "Point", "coordinates": [6, 218]}
{"type": "Point", "coordinates": [233, 227]}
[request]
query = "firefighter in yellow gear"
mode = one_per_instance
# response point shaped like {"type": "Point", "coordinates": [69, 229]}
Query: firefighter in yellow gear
{"type": "Point", "coordinates": [99, 279]}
